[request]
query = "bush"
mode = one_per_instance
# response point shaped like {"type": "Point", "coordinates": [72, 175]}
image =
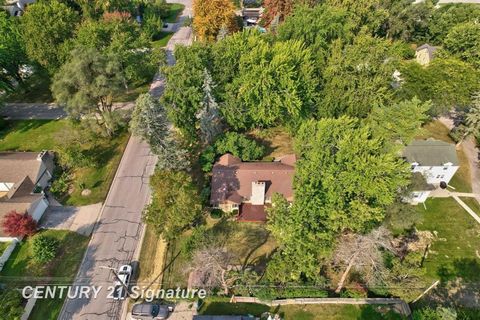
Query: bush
{"type": "Point", "coordinates": [457, 133]}
{"type": "Point", "coordinates": [60, 184]}
{"type": "Point", "coordinates": [216, 214]}
{"type": "Point", "coordinates": [240, 146]}
{"type": "Point", "coordinates": [17, 224]}
{"type": "Point", "coordinates": [44, 248]}
{"type": "Point", "coordinates": [439, 313]}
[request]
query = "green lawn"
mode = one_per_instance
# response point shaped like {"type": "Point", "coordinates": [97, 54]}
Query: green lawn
{"type": "Point", "coordinates": [3, 246]}
{"type": "Point", "coordinates": [46, 309]}
{"type": "Point", "coordinates": [37, 135]}
{"type": "Point", "coordinates": [174, 10]}
{"type": "Point", "coordinates": [277, 141]}
{"type": "Point", "coordinates": [249, 242]}
{"type": "Point", "coordinates": [21, 268]}
{"type": "Point", "coordinates": [35, 89]}
{"type": "Point", "coordinates": [303, 312]}
{"type": "Point", "coordinates": [162, 39]}
{"type": "Point", "coordinates": [454, 252]}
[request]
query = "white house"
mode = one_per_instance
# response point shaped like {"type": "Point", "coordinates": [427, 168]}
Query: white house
{"type": "Point", "coordinates": [23, 176]}
{"type": "Point", "coordinates": [436, 160]}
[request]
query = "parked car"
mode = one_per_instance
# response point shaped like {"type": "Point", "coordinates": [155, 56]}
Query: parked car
{"type": "Point", "coordinates": [144, 311]}
{"type": "Point", "coordinates": [121, 284]}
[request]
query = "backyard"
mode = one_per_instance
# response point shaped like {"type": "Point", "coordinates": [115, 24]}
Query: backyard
{"type": "Point", "coordinates": [251, 243]}
{"type": "Point", "coordinates": [38, 135]}
{"type": "Point", "coordinates": [454, 252]}
{"type": "Point", "coordinates": [302, 312]}
{"type": "Point", "coordinates": [277, 141]}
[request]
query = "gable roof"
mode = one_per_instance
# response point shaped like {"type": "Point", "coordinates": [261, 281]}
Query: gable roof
{"type": "Point", "coordinates": [232, 179]}
{"type": "Point", "coordinates": [15, 166]}
{"type": "Point", "coordinates": [431, 153]}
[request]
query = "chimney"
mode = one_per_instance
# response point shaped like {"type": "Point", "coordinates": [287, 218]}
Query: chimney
{"type": "Point", "coordinates": [258, 193]}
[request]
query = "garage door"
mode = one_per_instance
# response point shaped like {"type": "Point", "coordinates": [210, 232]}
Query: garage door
{"type": "Point", "coordinates": [40, 209]}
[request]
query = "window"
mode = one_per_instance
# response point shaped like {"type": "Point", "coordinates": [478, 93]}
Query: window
{"type": "Point", "coordinates": [445, 168]}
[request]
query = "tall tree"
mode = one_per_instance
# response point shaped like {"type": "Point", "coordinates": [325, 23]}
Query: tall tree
{"type": "Point", "coordinates": [175, 203]}
{"type": "Point", "coordinates": [399, 122]}
{"type": "Point", "coordinates": [472, 119]}
{"type": "Point", "coordinates": [317, 27]}
{"type": "Point", "coordinates": [12, 52]}
{"type": "Point", "coordinates": [278, 10]}
{"type": "Point", "coordinates": [209, 17]}
{"type": "Point", "coordinates": [149, 121]}
{"type": "Point", "coordinates": [276, 84]}
{"type": "Point", "coordinates": [47, 27]}
{"type": "Point", "coordinates": [463, 41]}
{"type": "Point", "coordinates": [343, 181]}
{"type": "Point", "coordinates": [183, 95]}
{"type": "Point", "coordinates": [87, 84]}
{"type": "Point", "coordinates": [210, 120]}
{"type": "Point", "coordinates": [358, 77]}
{"type": "Point", "coordinates": [448, 16]}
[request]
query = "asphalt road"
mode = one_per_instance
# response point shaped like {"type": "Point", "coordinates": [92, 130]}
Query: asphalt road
{"type": "Point", "coordinates": [117, 234]}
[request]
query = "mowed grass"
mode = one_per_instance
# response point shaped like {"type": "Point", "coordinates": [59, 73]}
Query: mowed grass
{"type": "Point", "coordinates": [3, 246]}
{"type": "Point", "coordinates": [455, 249]}
{"type": "Point", "coordinates": [38, 135]}
{"type": "Point", "coordinates": [22, 268]}
{"type": "Point", "coordinates": [46, 309]}
{"type": "Point", "coordinates": [303, 312]}
{"type": "Point", "coordinates": [461, 181]}
{"type": "Point", "coordinates": [162, 39]}
{"type": "Point", "coordinates": [151, 262]}
{"type": "Point", "coordinates": [250, 243]}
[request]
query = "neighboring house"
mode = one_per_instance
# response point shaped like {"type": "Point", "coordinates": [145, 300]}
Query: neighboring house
{"type": "Point", "coordinates": [23, 176]}
{"type": "Point", "coordinates": [17, 7]}
{"type": "Point", "coordinates": [436, 160]}
{"type": "Point", "coordinates": [251, 12]}
{"type": "Point", "coordinates": [248, 186]}
{"type": "Point", "coordinates": [425, 54]}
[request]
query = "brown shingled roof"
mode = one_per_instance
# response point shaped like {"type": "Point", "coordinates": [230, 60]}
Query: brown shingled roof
{"type": "Point", "coordinates": [14, 166]}
{"type": "Point", "coordinates": [232, 179]}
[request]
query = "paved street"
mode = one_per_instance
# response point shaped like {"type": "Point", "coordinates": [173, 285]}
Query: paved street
{"type": "Point", "coordinates": [117, 234]}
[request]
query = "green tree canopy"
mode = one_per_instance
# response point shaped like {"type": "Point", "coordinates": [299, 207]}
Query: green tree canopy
{"type": "Point", "coordinates": [11, 307]}
{"type": "Point", "coordinates": [358, 77]}
{"type": "Point", "coordinates": [175, 203]}
{"type": "Point", "coordinates": [46, 28]}
{"type": "Point", "coordinates": [12, 52]}
{"type": "Point", "coordinates": [87, 84]}
{"type": "Point", "coordinates": [343, 181]}
{"type": "Point", "coordinates": [448, 16]}
{"type": "Point", "coordinates": [276, 84]}
{"type": "Point", "coordinates": [463, 41]}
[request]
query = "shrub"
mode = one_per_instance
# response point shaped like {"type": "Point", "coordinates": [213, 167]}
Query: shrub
{"type": "Point", "coordinates": [457, 133]}
{"type": "Point", "coordinates": [240, 146]}
{"type": "Point", "coordinates": [16, 224]}
{"type": "Point", "coordinates": [216, 213]}
{"type": "Point", "coordinates": [207, 158]}
{"type": "Point", "coordinates": [60, 184]}
{"type": "Point", "coordinates": [44, 248]}
{"type": "Point", "coordinates": [272, 293]}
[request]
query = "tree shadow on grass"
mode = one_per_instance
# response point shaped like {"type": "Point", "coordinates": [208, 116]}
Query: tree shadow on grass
{"type": "Point", "coordinates": [466, 268]}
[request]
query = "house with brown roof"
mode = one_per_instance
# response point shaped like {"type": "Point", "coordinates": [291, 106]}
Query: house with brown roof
{"type": "Point", "coordinates": [23, 177]}
{"type": "Point", "coordinates": [248, 186]}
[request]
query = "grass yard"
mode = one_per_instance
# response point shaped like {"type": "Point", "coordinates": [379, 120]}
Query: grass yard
{"type": "Point", "coordinates": [461, 181]}
{"type": "Point", "coordinates": [21, 268]}
{"type": "Point", "coordinates": [37, 135]}
{"type": "Point", "coordinates": [162, 39]}
{"type": "Point", "coordinates": [174, 10]}
{"type": "Point", "coordinates": [277, 141]}
{"type": "Point", "coordinates": [152, 259]}
{"type": "Point", "coordinates": [250, 242]}
{"type": "Point", "coordinates": [46, 309]}
{"type": "Point", "coordinates": [35, 89]}
{"type": "Point", "coordinates": [303, 312]}
{"type": "Point", "coordinates": [455, 252]}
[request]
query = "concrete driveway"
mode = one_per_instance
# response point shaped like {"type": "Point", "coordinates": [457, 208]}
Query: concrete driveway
{"type": "Point", "coordinates": [76, 219]}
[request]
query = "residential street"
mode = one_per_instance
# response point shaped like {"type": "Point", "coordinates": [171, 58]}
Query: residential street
{"type": "Point", "coordinates": [117, 234]}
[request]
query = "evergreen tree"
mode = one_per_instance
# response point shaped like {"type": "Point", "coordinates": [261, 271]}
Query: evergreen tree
{"type": "Point", "coordinates": [209, 116]}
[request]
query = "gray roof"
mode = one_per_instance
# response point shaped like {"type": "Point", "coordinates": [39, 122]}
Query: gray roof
{"type": "Point", "coordinates": [430, 49]}
{"type": "Point", "coordinates": [431, 153]}
{"type": "Point", "coordinates": [15, 166]}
